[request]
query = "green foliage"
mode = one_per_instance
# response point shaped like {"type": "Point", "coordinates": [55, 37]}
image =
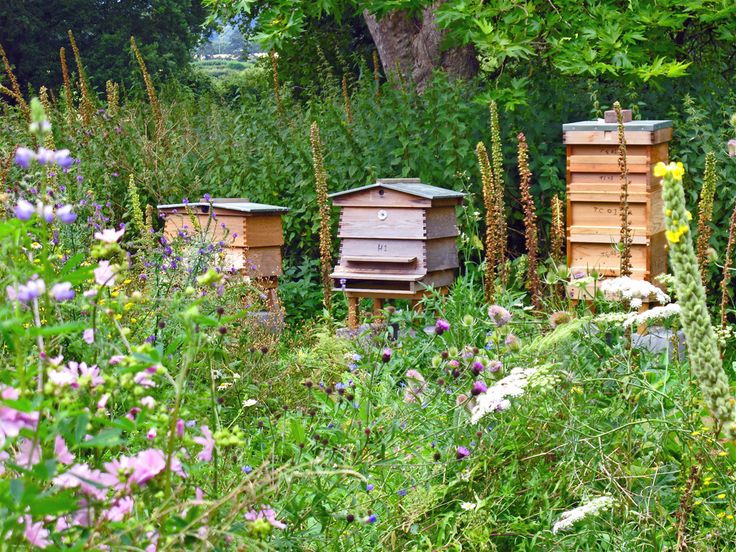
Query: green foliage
{"type": "Point", "coordinates": [33, 32]}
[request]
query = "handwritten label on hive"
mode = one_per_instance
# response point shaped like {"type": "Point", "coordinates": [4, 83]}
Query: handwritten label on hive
{"type": "Point", "coordinates": [605, 210]}
{"type": "Point", "coordinates": [383, 248]}
{"type": "Point", "coordinates": [606, 178]}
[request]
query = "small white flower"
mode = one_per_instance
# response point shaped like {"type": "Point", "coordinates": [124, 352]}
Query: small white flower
{"type": "Point", "coordinates": [468, 505]}
{"type": "Point", "coordinates": [249, 402]}
{"type": "Point", "coordinates": [568, 519]}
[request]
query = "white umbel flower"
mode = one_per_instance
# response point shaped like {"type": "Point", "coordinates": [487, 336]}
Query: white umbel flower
{"type": "Point", "coordinates": [656, 313]}
{"type": "Point", "coordinates": [495, 398]}
{"type": "Point", "coordinates": [568, 519]}
{"type": "Point", "coordinates": [635, 291]}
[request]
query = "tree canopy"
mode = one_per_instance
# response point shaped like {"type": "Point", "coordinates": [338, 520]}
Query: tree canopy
{"type": "Point", "coordinates": [32, 32]}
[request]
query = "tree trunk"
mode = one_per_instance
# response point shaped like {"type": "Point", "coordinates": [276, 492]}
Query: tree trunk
{"type": "Point", "coordinates": [411, 46]}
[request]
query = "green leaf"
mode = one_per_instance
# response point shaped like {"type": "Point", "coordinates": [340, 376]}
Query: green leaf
{"type": "Point", "coordinates": [105, 438]}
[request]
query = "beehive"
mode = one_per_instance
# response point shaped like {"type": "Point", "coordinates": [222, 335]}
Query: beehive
{"type": "Point", "coordinates": [593, 196]}
{"type": "Point", "coordinates": [397, 237]}
{"type": "Point", "coordinates": [251, 233]}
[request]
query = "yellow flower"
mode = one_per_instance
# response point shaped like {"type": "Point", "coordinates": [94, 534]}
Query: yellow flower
{"type": "Point", "coordinates": [118, 316]}
{"type": "Point", "coordinates": [721, 496]}
{"type": "Point", "coordinates": [660, 169]}
{"type": "Point", "coordinates": [36, 245]}
{"type": "Point", "coordinates": [133, 320]}
{"type": "Point", "coordinates": [678, 171]}
{"type": "Point", "coordinates": [672, 237]}
{"type": "Point", "coordinates": [689, 215]}
{"type": "Point", "coordinates": [127, 281]}
{"type": "Point", "coordinates": [668, 212]}
{"type": "Point", "coordinates": [128, 306]}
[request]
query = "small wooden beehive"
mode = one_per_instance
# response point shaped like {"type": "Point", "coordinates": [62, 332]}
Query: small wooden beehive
{"type": "Point", "coordinates": [593, 196]}
{"type": "Point", "coordinates": [397, 237]}
{"type": "Point", "coordinates": [251, 233]}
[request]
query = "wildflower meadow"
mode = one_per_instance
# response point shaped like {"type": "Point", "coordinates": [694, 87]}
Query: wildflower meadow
{"type": "Point", "coordinates": [330, 292]}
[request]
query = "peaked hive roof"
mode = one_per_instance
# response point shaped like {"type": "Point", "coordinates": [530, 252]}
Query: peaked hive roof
{"type": "Point", "coordinates": [411, 186]}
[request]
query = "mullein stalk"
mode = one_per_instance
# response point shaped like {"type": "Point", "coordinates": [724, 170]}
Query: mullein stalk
{"type": "Point", "coordinates": [499, 188]}
{"type": "Point", "coordinates": [727, 268]}
{"type": "Point", "coordinates": [557, 230]}
{"type": "Point", "coordinates": [489, 197]}
{"type": "Point", "coordinates": [86, 106]}
{"type": "Point", "coordinates": [43, 96]}
{"type": "Point", "coordinates": [705, 213]}
{"type": "Point", "coordinates": [530, 222]}
{"type": "Point", "coordinates": [702, 343]}
{"type": "Point", "coordinates": [346, 100]}
{"type": "Point", "coordinates": [5, 166]}
{"type": "Point", "coordinates": [325, 232]}
{"type": "Point", "coordinates": [150, 90]}
{"type": "Point", "coordinates": [276, 84]}
{"type": "Point", "coordinates": [70, 112]}
{"type": "Point", "coordinates": [626, 238]}
{"type": "Point", "coordinates": [112, 90]}
{"type": "Point", "coordinates": [15, 91]}
{"type": "Point", "coordinates": [377, 73]}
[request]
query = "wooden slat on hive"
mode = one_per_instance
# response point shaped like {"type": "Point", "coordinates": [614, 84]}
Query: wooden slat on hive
{"type": "Point", "coordinates": [399, 223]}
{"type": "Point", "coordinates": [264, 230]}
{"type": "Point", "coordinates": [381, 197]}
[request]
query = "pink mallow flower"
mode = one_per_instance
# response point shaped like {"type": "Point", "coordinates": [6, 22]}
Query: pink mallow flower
{"type": "Point", "coordinates": [104, 274]}
{"type": "Point", "coordinates": [267, 513]}
{"type": "Point", "coordinates": [29, 453]}
{"type": "Point", "coordinates": [207, 442]}
{"type": "Point", "coordinates": [75, 375]}
{"type": "Point", "coordinates": [89, 336]}
{"type": "Point", "coordinates": [35, 533]}
{"type": "Point", "coordinates": [89, 481]}
{"type": "Point", "coordinates": [61, 451]}
{"type": "Point", "coordinates": [12, 420]}
{"type": "Point", "coordinates": [109, 235]}
{"type": "Point", "coordinates": [119, 509]}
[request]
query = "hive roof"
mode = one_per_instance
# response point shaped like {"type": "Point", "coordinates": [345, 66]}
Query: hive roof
{"type": "Point", "coordinates": [242, 207]}
{"type": "Point", "coordinates": [411, 186]}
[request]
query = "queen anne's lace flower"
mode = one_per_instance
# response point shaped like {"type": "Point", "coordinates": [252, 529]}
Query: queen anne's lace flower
{"type": "Point", "coordinates": [656, 313]}
{"type": "Point", "coordinates": [634, 291]}
{"type": "Point", "coordinates": [495, 398]}
{"type": "Point", "coordinates": [568, 519]}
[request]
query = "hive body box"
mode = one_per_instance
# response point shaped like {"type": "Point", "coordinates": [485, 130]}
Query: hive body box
{"type": "Point", "coordinates": [593, 196]}
{"type": "Point", "coordinates": [252, 233]}
{"type": "Point", "coordinates": [397, 237]}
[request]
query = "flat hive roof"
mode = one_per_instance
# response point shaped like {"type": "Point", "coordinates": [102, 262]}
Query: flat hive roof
{"type": "Point", "coordinates": [646, 126]}
{"type": "Point", "coordinates": [411, 186]}
{"type": "Point", "coordinates": [242, 207]}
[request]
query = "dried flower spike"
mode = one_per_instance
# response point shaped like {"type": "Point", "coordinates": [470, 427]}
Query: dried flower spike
{"type": "Point", "coordinates": [728, 267]}
{"type": "Point", "coordinates": [325, 232]}
{"type": "Point", "coordinates": [705, 213]}
{"type": "Point", "coordinates": [86, 107]}
{"type": "Point", "coordinates": [492, 244]}
{"type": "Point", "coordinates": [624, 208]}
{"type": "Point", "coordinates": [499, 188]}
{"type": "Point", "coordinates": [557, 231]}
{"type": "Point", "coordinates": [530, 222]}
{"type": "Point", "coordinates": [150, 90]}
{"type": "Point", "coordinates": [70, 111]}
{"type": "Point", "coordinates": [16, 91]}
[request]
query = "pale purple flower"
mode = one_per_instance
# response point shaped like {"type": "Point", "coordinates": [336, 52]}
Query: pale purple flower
{"type": "Point", "coordinates": [732, 148]}
{"type": "Point", "coordinates": [180, 428]}
{"type": "Point", "coordinates": [102, 403]}
{"type": "Point", "coordinates": [512, 342]}
{"type": "Point", "coordinates": [148, 402]}
{"type": "Point", "coordinates": [207, 442]}
{"type": "Point", "coordinates": [66, 215]}
{"type": "Point", "coordinates": [151, 435]}
{"type": "Point", "coordinates": [35, 533]}
{"type": "Point", "coordinates": [267, 513]}
{"type": "Point", "coordinates": [45, 156]}
{"type": "Point", "coordinates": [499, 315]}
{"type": "Point", "coordinates": [24, 156]}
{"type": "Point", "coordinates": [89, 336]}
{"type": "Point", "coordinates": [109, 235]}
{"type": "Point", "coordinates": [63, 159]}
{"type": "Point", "coordinates": [494, 366]}
{"type": "Point", "coordinates": [24, 210]}
{"type": "Point", "coordinates": [143, 379]}
{"type": "Point", "coordinates": [116, 359]}
{"type": "Point", "coordinates": [62, 291]}
{"type": "Point", "coordinates": [104, 275]}
{"type": "Point", "coordinates": [46, 212]}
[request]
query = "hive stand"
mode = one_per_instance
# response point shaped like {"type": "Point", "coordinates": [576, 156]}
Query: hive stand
{"type": "Point", "coordinates": [593, 198]}
{"type": "Point", "coordinates": [252, 233]}
{"type": "Point", "coordinates": [397, 238]}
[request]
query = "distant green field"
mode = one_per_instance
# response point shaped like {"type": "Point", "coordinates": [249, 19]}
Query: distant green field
{"type": "Point", "coordinates": [219, 68]}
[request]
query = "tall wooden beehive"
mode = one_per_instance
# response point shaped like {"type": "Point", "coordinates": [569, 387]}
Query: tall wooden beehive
{"type": "Point", "coordinates": [397, 237]}
{"type": "Point", "coordinates": [593, 196]}
{"type": "Point", "coordinates": [252, 232]}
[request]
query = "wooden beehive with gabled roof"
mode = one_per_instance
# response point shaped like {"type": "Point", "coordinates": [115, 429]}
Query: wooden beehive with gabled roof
{"type": "Point", "coordinates": [251, 233]}
{"type": "Point", "coordinates": [397, 237]}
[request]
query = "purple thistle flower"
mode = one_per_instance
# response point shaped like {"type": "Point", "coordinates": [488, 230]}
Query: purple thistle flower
{"type": "Point", "coordinates": [441, 326]}
{"type": "Point", "coordinates": [386, 354]}
{"type": "Point", "coordinates": [462, 452]}
{"type": "Point", "coordinates": [499, 315]}
{"type": "Point", "coordinates": [478, 388]}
